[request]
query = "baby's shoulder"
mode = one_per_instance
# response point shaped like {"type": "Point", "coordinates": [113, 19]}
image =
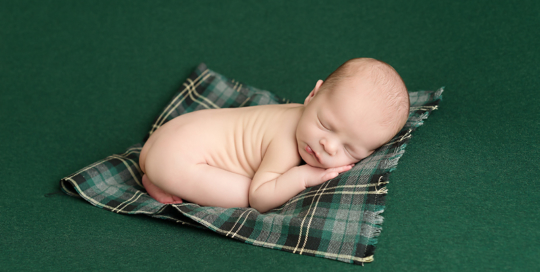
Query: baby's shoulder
{"type": "Point", "coordinates": [280, 156]}
{"type": "Point", "coordinates": [283, 148]}
{"type": "Point", "coordinates": [281, 118]}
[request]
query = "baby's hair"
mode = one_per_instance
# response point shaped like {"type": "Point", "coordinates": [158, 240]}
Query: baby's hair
{"type": "Point", "coordinates": [392, 97]}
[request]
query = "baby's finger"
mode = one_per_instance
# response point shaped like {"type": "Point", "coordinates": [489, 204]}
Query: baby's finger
{"type": "Point", "coordinates": [341, 168]}
{"type": "Point", "coordinates": [329, 176]}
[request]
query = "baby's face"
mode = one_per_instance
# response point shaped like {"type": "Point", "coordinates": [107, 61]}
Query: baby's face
{"type": "Point", "coordinates": [339, 128]}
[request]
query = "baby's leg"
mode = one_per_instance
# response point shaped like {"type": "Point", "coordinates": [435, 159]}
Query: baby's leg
{"type": "Point", "coordinates": [202, 184]}
{"type": "Point", "coordinates": [158, 194]}
{"type": "Point", "coordinates": [212, 186]}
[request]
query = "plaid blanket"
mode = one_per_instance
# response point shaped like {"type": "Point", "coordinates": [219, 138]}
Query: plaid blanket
{"type": "Point", "coordinates": [338, 220]}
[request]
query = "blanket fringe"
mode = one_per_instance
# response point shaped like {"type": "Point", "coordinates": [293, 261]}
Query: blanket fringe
{"type": "Point", "coordinates": [438, 93]}
{"type": "Point", "coordinates": [372, 226]}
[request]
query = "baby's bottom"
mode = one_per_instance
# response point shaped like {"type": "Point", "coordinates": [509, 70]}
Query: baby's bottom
{"type": "Point", "coordinates": [158, 194]}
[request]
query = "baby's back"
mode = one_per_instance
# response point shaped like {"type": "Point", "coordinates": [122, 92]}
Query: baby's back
{"type": "Point", "coordinates": [231, 139]}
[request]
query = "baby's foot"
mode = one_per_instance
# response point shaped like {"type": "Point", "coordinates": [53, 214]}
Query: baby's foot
{"type": "Point", "coordinates": [158, 194]}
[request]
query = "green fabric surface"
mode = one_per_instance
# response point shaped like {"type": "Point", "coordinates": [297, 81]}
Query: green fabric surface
{"type": "Point", "coordinates": [338, 220]}
{"type": "Point", "coordinates": [81, 79]}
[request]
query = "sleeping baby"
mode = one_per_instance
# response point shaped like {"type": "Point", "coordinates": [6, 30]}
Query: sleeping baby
{"type": "Point", "coordinates": [251, 156]}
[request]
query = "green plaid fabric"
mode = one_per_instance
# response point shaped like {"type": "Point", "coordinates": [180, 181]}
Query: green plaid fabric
{"type": "Point", "coordinates": [338, 220]}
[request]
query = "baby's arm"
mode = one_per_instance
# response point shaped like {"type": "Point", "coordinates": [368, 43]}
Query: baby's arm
{"type": "Point", "coordinates": [278, 179]}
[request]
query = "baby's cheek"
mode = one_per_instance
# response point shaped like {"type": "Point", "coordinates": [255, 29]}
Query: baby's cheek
{"type": "Point", "coordinates": [345, 161]}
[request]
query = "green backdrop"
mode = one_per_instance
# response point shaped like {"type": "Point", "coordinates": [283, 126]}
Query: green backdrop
{"type": "Point", "coordinates": [80, 80]}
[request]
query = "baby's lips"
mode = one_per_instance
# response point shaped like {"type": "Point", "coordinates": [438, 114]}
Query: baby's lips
{"type": "Point", "coordinates": [312, 152]}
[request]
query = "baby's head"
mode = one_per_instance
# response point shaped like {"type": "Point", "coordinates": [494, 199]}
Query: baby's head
{"type": "Point", "coordinates": [357, 109]}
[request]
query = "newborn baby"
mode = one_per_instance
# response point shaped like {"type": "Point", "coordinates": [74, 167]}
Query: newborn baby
{"type": "Point", "coordinates": [241, 157]}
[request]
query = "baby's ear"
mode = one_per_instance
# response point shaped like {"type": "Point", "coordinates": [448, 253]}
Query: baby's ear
{"type": "Point", "coordinates": [314, 91]}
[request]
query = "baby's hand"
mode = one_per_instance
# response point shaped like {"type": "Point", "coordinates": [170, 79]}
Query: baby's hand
{"type": "Point", "coordinates": [314, 176]}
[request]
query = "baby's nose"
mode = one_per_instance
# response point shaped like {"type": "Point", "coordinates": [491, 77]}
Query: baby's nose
{"type": "Point", "coordinates": [328, 146]}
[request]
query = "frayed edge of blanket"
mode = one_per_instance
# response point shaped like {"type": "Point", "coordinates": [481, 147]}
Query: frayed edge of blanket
{"type": "Point", "coordinates": [374, 219]}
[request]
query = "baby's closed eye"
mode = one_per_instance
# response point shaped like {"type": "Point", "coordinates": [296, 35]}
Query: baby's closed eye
{"type": "Point", "coordinates": [322, 125]}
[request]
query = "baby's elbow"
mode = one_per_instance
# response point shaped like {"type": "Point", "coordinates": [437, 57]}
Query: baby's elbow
{"type": "Point", "coordinates": [256, 203]}
{"type": "Point", "coordinates": [260, 208]}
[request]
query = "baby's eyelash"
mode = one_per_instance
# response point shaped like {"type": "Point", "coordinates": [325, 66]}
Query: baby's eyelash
{"type": "Point", "coordinates": [322, 124]}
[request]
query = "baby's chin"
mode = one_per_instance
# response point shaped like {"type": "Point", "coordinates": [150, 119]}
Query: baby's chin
{"type": "Point", "coordinates": [309, 160]}
{"type": "Point", "coordinates": [314, 165]}
{"type": "Point", "coordinates": [313, 162]}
